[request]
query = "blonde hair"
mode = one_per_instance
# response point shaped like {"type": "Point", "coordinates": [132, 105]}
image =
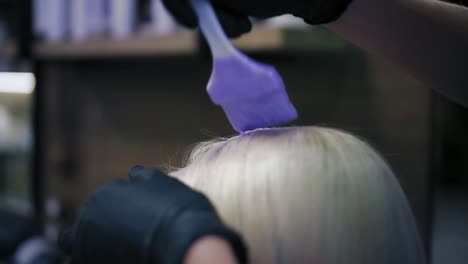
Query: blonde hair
{"type": "Point", "coordinates": [307, 195]}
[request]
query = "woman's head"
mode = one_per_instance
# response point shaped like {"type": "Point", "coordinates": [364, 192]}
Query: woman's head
{"type": "Point", "coordinates": [307, 195]}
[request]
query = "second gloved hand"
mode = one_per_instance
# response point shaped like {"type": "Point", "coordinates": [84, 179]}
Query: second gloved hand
{"type": "Point", "coordinates": [233, 14]}
{"type": "Point", "coordinates": [153, 218]}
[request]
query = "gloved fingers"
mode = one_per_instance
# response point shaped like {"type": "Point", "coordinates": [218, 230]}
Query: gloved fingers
{"type": "Point", "coordinates": [182, 12]}
{"type": "Point", "coordinates": [157, 181]}
{"type": "Point", "coordinates": [234, 25]}
{"type": "Point", "coordinates": [140, 173]}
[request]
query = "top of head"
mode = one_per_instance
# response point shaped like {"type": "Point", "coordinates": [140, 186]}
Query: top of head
{"type": "Point", "coordinates": [307, 195]}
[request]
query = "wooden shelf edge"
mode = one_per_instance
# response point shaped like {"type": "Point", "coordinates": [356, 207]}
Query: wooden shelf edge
{"type": "Point", "coordinates": [262, 38]}
{"type": "Point", "coordinates": [8, 49]}
{"type": "Point", "coordinates": [182, 43]}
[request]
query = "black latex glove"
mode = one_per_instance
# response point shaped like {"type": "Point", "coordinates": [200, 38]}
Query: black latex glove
{"type": "Point", "coordinates": [153, 218]}
{"type": "Point", "coordinates": [234, 14]}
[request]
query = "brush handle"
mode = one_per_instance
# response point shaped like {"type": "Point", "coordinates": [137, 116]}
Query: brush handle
{"type": "Point", "coordinates": [219, 43]}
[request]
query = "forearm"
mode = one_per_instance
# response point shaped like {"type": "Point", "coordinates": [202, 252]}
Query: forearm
{"type": "Point", "coordinates": [427, 38]}
{"type": "Point", "coordinates": [210, 250]}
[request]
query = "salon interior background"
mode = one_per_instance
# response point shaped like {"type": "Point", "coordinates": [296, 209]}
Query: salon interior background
{"type": "Point", "coordinates": [85, 94]}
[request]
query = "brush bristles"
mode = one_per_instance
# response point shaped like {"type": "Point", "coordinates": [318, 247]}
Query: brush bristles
{"type": "Point", "coordinates": [260, 112]}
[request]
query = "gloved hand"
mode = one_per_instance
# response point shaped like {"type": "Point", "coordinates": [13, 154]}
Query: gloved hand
{"type": "Point", "coordinates": [153, 218]}
{"type": "Point", "coordinates": [233, 14]}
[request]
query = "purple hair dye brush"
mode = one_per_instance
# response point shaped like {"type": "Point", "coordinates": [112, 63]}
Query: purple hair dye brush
{"type": "Point", "coordinates": [251, 94]}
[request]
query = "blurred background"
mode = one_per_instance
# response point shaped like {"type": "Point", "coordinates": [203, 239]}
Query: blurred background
{"type": "Point", "coordinates": [89, 88]}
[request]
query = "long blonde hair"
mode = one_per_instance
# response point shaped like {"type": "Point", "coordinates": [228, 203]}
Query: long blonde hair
{"type": "Point", "coordinates": [307, 195]}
